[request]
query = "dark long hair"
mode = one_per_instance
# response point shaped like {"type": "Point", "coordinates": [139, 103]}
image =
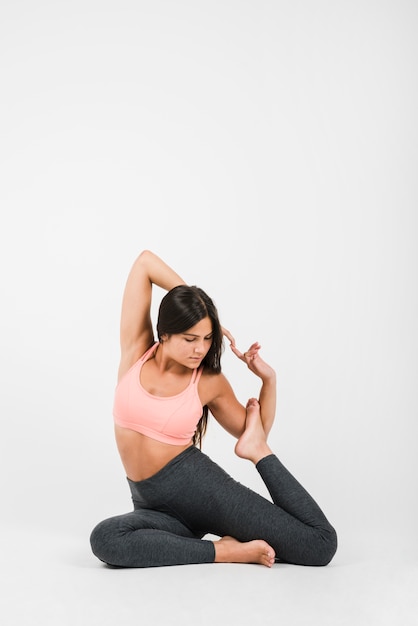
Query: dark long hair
{"type": "Point", "coordinates": [181, 308]}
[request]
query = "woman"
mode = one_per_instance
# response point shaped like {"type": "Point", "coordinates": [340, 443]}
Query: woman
{"type": "Point", "coordinates": [164, 393]}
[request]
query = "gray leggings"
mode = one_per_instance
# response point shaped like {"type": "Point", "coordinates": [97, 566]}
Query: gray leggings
{"type": "Point", "coordinates": [192, 496]}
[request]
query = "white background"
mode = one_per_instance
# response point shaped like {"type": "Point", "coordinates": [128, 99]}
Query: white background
{"type": "Point", "coordinates": [268, 152]}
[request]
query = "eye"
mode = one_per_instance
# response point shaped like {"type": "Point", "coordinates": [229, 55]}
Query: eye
{"type": "Point", "coordinates": [189, 340]}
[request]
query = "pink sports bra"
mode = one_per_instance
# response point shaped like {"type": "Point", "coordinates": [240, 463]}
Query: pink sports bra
{"type": "Point", "coordinates": [171, 419]}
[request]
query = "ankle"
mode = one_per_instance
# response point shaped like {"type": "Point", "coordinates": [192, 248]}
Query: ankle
{"type": "Point", "coordinates": [260, 454]}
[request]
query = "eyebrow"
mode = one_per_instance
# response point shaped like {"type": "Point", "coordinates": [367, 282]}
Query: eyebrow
{"type": "Point", "coordinates": [192, 335]}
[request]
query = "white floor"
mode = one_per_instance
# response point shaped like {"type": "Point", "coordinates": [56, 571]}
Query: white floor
{"type": "Point", "coordinates": [49, 579]}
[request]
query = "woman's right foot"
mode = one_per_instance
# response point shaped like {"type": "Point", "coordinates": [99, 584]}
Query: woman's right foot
{"type": "Point", "coordinates": [252, 444]}
{"type": "Point", "coordinates": [229, 550]}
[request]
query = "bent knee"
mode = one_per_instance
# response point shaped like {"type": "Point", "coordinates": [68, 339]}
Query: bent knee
{"type": "Point", "coordinates": [326, 549]}
{"type": "Point", "coordinates": [101, 541]}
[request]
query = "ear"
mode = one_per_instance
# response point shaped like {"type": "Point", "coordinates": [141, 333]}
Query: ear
{"type": "Point", "coordinates": [163, 338]}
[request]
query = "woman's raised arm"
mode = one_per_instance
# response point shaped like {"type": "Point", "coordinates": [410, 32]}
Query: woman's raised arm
{"type": "Point", "coordinates": [136, 331]}
{"type": "Point", "coordinates": [260, 368]}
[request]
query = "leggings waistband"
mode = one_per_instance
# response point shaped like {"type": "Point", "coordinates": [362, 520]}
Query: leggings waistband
{"type": "Point", "coordinates": [186, 455]}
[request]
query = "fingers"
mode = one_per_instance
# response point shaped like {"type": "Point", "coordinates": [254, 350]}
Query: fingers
{"type": "Point", "coordinates": [252, 351]}
{"type": "Point", "coordinates": [228, 335]}
{"type": "Point", "coordinates": [237, 352]}
{"type": "Point", "coordinates": [249, 355]}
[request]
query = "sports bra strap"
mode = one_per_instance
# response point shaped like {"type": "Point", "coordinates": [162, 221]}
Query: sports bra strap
{"type": "Point", "coordinates": [197, 374]}
{"type": "Point", "coordinates": [148, 353]}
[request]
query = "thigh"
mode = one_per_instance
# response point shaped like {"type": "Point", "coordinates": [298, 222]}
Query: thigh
{"type": "Point", "coordinates": [222, 506]}
{"type": "Point", "coordinates": [204, 497]}
{"type": "Point", "coordinates": [141, 519]}
{"type": "Point", "coordinates": [146, 538]}
{"type": "Point", "coordinates": [207, 499]}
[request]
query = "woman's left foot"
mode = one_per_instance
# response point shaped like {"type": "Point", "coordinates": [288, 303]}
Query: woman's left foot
{"type": "Point", "coordinates": [252, 444]}
{"type": "Point", "coordinates": [229, 550]}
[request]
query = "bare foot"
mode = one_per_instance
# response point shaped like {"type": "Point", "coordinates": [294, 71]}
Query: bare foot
{"type": "Point", "coordinates": [229, 550]}
{"type": "Point", "coordinates": [252, 444]}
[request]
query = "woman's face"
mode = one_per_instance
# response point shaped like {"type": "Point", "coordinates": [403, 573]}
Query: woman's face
{"type": "Point", "coordinates": [191, 347]}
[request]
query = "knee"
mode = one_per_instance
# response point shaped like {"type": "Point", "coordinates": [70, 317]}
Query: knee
{"type": "Point", "coordinates": [101, 541]}
{"type": "Point", "coordinates": [326, 548]}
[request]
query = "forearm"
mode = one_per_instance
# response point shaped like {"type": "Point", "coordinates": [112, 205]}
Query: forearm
{"type": "Point", "coordinates": [136, 332]}
{"type": "Point", "coordinates": [267, 400]}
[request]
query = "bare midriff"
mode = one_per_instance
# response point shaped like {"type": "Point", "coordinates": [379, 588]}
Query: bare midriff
{"type": "Point", "coordinates": [141, 456]}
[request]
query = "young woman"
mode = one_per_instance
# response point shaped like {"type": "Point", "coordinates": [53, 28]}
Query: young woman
{"type": "Point", "coordinates": [165, 391]}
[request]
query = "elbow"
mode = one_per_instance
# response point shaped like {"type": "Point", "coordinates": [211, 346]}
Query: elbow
{"type": "Point", "coordinates": [144, 256]}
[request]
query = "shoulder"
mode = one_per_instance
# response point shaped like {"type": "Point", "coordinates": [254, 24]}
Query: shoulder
{"type": "Point", "coordinates": [213, 386]}
{"type": "Point", "coordinates": [218, 394]}
{"type": "Point", "coordinates": [211, 378]}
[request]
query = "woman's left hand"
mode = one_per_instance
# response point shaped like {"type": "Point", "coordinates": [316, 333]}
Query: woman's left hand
{"type": "Point", "coordinates": [228, 335]}
{"type": "Point", "coordinates": [254, 361]}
